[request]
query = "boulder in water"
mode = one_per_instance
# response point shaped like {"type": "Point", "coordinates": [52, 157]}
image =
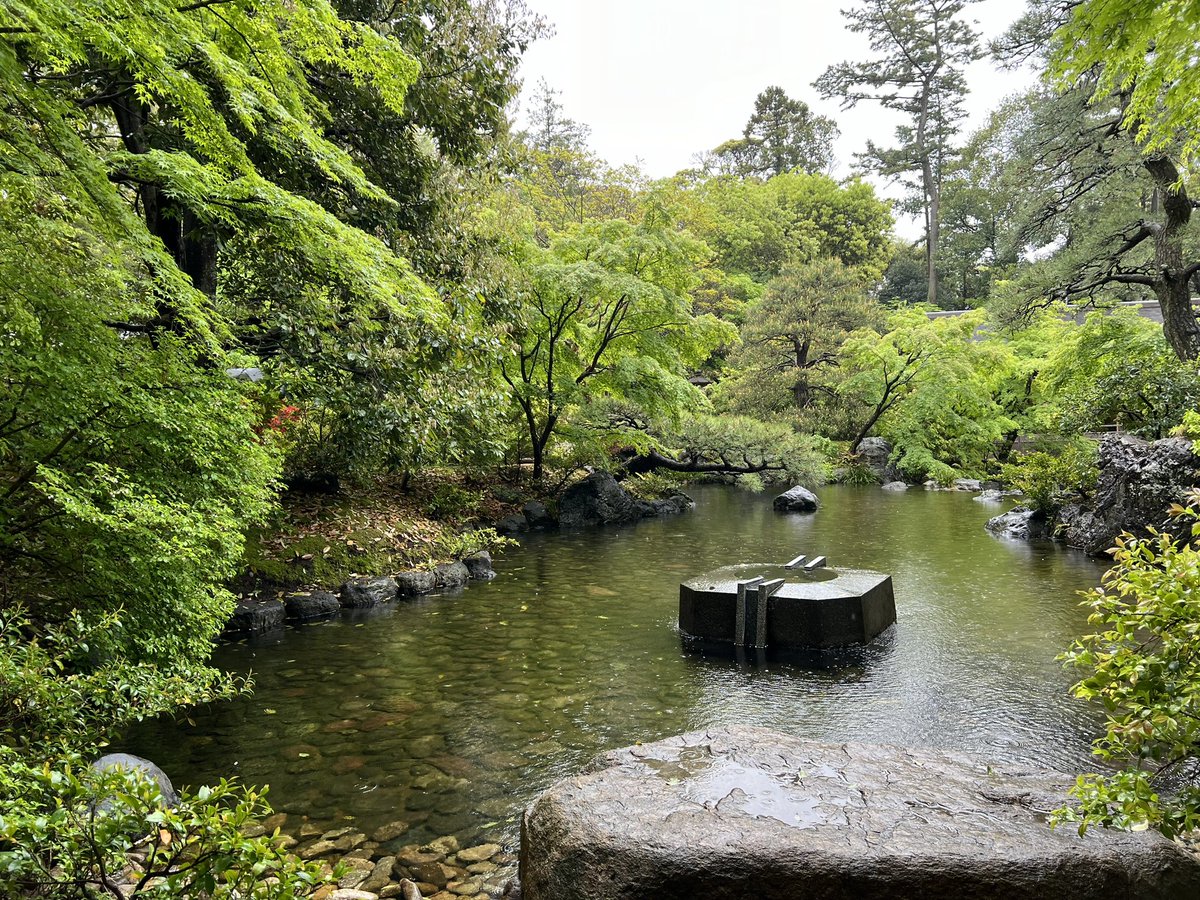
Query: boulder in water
{"type": "Point", "coordinates": [479, 565]}
{"type": "Point", "coordinates": [875, 453]}
{"type": "Point", "coordinates": [797, 499]}
{"type": "Point", "coordinates": [307, 605]}
{"type": "Point", "coordinates": [599, 500]}
{"type": "Point", "coordinates": [255, 617]}
{"type": "Point", "coordinates": [1021, 523]}
{"type": "Point", "coordinates": [135, 764]}
{"type": "Point", "coordinates": [537, 516]}
{"type": "Point", "coordinates": [414, 582]}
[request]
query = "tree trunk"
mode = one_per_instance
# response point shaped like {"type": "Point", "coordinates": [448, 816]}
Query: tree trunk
{"type": "Point", "coordinates": [1171, 283]}
{"type": "Point", "coordinates": [932, 195]}
{"type": "Point", "coordinates": [1179, 319]}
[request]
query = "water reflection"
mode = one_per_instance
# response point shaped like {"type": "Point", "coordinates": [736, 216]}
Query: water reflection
{"type": "Point", "coordinates": [452, 712]}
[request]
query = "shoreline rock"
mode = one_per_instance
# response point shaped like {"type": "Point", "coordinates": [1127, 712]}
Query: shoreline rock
{"type": "Point", "coordinates": [1020, 523]}
{"type": "Point", "coordinates": [1139, 482]}
{"type": "Point", "coordinates": [253, 617]}
{"type": "Point", "coordinates": [599, 499]}
{"type": "Point", "coordinates": [746, 812]}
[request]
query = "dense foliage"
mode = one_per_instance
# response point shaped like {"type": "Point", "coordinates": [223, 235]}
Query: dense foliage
{"type": "Point", "coordinates": [326, 199]}
{"type": "Point", "coordinates": [1141, 665]}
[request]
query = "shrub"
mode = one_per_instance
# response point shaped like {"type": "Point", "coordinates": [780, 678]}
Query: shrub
{"type": "Point", "coordinates": [69, 832]}
{"type": "Point", "coordinates": [1143, 665]}
{"type": "Point", "coordinates": [1049, 479]}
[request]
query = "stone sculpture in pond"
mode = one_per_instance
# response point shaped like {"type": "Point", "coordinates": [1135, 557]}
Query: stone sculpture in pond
{"type": "Point", "coordinates": [800, 605]}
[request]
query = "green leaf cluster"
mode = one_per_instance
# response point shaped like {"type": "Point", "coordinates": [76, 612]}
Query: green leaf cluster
{"type": "Point", "coordinates": [1141, 665]}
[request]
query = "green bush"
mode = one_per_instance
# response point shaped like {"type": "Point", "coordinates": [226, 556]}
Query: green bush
{"type": "Point", "coordinates": [69, 832]}
{"type": "Point", "coordinates": [1049, 479]}
{"type": "Point", "coordinates": [1142, 664]}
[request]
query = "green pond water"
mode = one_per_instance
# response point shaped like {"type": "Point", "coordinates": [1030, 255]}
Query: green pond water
{"type": "Point", "coordinates": [452, 712]}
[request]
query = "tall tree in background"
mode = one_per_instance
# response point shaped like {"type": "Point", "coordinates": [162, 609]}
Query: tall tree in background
{"type": "Point", "coordinates": [923, 47]}
{"type": "Point", "coordinates": [782, 135]}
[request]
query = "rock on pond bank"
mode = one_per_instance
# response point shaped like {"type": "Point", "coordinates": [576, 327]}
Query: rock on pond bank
{"type": "Point", "coordinates": [256, 615]}
{"type": "Point", "coordinates": [745, 812]}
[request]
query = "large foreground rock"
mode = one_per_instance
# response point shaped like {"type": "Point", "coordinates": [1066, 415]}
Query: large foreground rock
{"type": "Point", "coordinates": [1139, 481]}
{"type": "Point", "coordinates": [797, 499]}
{"type": "Point", "coordinates": [744, 812]}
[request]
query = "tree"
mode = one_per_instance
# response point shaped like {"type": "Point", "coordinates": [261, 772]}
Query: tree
{"type": "Point", "coordinates": [436, 155]}
{"type": "Point", "coordinates": [131, 464]}
{"type": "Point", "coordinates": [734, 445]}
{"type": "Point", "coordinates": [1114, 223]}
{"type": "Point", "coordinates": [560, 180]}
{"type": "Point", "coordinates": [924, 46]}
{"type": "Point", "coordinates": [755, 228]}
{"type": "Point", "coordinates": [605, 314]}
{"type": "Point", "coordinates": [931, 390]}
{"type": "Point", "coordinates": [1145, 52]}
{"type": "Point", "coordinates": [1116, 369]}
{"type": "Point", "coordinates": [980, 213]}
{"type": "Point", "coordinates": [782, 135]}
{"type": "Point", "coordinates": [793, 335]}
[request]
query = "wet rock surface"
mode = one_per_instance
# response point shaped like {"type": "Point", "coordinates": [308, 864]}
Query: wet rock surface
{"type": "Point", "coordinates": [537, 516]}
{"type": "Point", "coordinates": [415, 582]}
{"type": "Point", "coordinates": [745, 812]}
{"type": "Point", "coordinates": [304, 606]}
{"type": "Point", "coordinates": [1019, 523]}
{"type": "Point", "coordinates": [797, 499]}
{"type": "Point", "coordinates": [451, 575]}
{"type": "Point", "coordinates": [255, 617]}
{"type": "Point", "coordinates": [875, 453]}
{"type": "Point", "coordinates": [127, 762]}
{"type": "Point", "coordinates": [361, 593]}
{"type": "Point", "coordinates": [479, 566]}
{"type": "Point", "coordinates": [896, 486]}
{"type": "Point", "coordinates": [1139, 481]}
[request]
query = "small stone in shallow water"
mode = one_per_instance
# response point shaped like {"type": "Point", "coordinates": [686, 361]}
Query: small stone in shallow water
{"type": "Point", "coordinates": [411, 855]}
{"type": "Point", "coordinates": [317, 848]}
{"type": "Point", "coordinates": [444, 845]}
{"type": "Point", "coordinates": [478, 854]}
{"type": "Point", "coordinates": [390, 831]}
{"type": "Point", "coordinates": [358, 870]}
{"type": "Point", "coordinates": [380, 876]}
{"type": "Point", "coordinates": [438, 874]}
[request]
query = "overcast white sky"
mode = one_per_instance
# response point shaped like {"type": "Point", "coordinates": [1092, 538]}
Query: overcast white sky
{"type": "Point", "coordinates": [658, 81]}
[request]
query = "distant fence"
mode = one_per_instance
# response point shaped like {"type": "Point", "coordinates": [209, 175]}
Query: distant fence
{"type": "Point", "coordinates": [1147, 309]}
{"type": "Point", "coordinates": [1026, 441]}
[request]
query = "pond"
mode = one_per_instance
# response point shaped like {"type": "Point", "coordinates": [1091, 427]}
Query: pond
{"type": "Point", "coordinates": [452, 712]}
